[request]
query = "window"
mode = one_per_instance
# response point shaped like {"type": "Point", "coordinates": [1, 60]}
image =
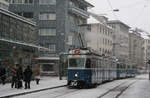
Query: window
{"type": "Point", "coordinates": [76, 62]}
{"type": "Point", "coordinates": [46, 2]}
{"type": "Point", "coordinates": [52, 47]}
{"type": "Point", "coordinates": [28, 15]}
{"type": "Point", "coordinates": [88, 63]}
{"type": "Point", "coordinates": [70, 40]}
{"type": "Point", "coordinates": [47, 16]}
{"type": "Point", "coordinates": [47, 32]}
{"type": "Point", "coordinates": [21, 1]}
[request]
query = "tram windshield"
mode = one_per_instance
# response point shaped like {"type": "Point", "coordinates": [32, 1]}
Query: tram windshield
{"type": "Point", "coordinates": [76, 62]}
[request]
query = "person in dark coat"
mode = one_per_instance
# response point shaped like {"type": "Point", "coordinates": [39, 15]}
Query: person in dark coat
{"type": "Point", "coordinates": [14, 77]}
{"type": "Point", "coordinates": [27, 77]}
{"type": "Point", "coordinates": [2, 74]}
{"type": "Point", "coordinates": [19, 77]}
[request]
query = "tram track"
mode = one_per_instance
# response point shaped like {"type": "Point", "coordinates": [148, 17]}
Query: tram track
{"type": "Point", "coordinates": [63, 91]}
{"type": "Point", "coordinates": [34, 91]}
{"type": "Point", "coordinates": [119, 88]}
{"type": "Point", "coordinates": [66, 93]}
{"type": "Point", "coordinates": [53, 93]}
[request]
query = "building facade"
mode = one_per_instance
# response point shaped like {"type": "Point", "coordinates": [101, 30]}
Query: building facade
{"type": "Point", "coordinates": [17, 41]}
{"type": "Point", "coordinates": [99, 37]}
{"type": "Point", "coordinates": [120, 40]}
{"type": "Point", "coordinates": [57, 21]}
{"type": "Point", "coordinates": [4, 4]}
{"type": "Point", "coordinates": [136, 49]}
{"type": "Point", "coordinates": [146, 47]}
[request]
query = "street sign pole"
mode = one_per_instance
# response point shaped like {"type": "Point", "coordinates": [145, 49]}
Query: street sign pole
{"type": "Point", "coordinates": [149, 72]}
{"type": "Point", "coordinates": [149, 68]}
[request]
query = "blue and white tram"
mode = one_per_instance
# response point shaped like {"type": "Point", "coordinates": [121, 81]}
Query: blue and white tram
{"type": "Point", "coordinates": [86, 68]}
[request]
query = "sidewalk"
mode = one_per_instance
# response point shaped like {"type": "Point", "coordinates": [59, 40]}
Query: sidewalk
{"type": "Point", "coordinates": [141, 89]}
{"type": "Point", "coordinates": [45, 82]}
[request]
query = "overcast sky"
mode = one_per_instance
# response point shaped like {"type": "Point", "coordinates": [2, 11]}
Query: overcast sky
{"type": "Point", "coordinates": [135, 13]}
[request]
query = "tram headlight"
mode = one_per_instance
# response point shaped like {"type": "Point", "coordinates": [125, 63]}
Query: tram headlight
{"type": "Point", "coordinates": [76, 75]}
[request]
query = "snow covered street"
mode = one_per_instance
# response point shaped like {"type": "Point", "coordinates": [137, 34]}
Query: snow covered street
{"type": "Point", "coordinates": [141, 89]}
{"type": "Point", "coordinates": [138, 87]}
{"type": "Point", "coordinates": [65, 92]}
{"type": "Point", "coordinates": [45, 82]}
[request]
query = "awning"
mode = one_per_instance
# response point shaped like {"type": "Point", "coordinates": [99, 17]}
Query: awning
{"type": "Point", "coordinates": [24, 44]}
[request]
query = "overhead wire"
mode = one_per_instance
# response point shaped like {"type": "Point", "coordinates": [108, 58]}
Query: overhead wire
{"type": "Point", "coordinates": [112, 9]}
{"type": "Point", "coordinates": [141, 13]}
{"type": "Point", "coordinates": [131, 5]}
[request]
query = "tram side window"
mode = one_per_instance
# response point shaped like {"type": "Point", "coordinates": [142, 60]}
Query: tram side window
{"type": "Point", "coordinates": [88, 63]}
{"type": "Point", "coordinates": [118, 66]}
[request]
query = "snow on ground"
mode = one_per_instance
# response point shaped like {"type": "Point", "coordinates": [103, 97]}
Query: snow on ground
{"type": "Point", "coordinates": [76, 93]}
{"type": "Point", "coordinates": [45, 82]}
{"type": "Point", "coordinates": [141, 89]}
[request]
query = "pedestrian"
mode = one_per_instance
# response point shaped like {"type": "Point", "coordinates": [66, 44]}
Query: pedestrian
{"type": "Point", "coordinates": [27, 77]}
{"type": "Point", "coordinates": [2, 74]}
{"type": "Point", "coordinates": [37, 74]}
{"type": "Point", "coordinates": [14, 77]}
{"type": "Point", "coordinates": [19, 76]}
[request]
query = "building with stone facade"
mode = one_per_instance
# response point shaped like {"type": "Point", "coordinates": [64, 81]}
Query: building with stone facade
{"type": "Point", "coordinates": [17, 40]}
{"type": "Point", "coordinates": [146, 47]}
{"type": "Point", "coordinates": [57, 21]}
{"type": "Point", "coordinates": [99, 36]}
{"type": "Point", "coordinates": [136, 49]}
{"type": "Point", "coordinates": [120, 40]}
{"type": "Point", "coordinates": [58, 24]}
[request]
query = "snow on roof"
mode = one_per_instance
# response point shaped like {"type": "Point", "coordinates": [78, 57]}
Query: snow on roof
{"type": "Point", "coordinates": [92, 20]}
{"type": "Point", "coordinates": [145, 36]}
{"type": "Point", "coordinates": [4, 2]}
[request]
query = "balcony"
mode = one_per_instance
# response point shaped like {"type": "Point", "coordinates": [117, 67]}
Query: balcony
{"type": "Point", "coordinates": [78, 11]}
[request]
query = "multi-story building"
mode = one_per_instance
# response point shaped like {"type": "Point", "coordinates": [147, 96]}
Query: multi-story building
{"type": "Point", "coordinates": [136, 49]}
{"type": "Point", "coordinates": [120, 40]}
{"type": "Point", "coordinates": [17, 39]}
{"type": "Point", "coordinates": [148, 53]}
{"type": "Point", "coordinates": [146, 47]}
{"type": "Point", "coordinates": [57, 21]}
{"type": "Point", "coordinates": [99, 36]}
